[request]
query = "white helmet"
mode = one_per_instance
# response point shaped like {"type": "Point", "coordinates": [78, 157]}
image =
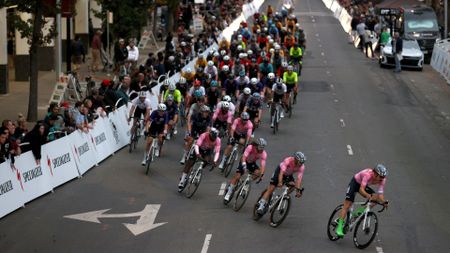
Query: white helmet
{"type": "Point", "coordinates": [271, 41]}
{"type": "Point", "coordinates": [254, 80]}
{"type": "Point", "coordinates": [271, 75]}
{"type": "Point", "coordinates": [241, 55]}
{"type": "Point", "coordinates": [249, 52]}
{"type": "Point", "coordinates": [166, 82]}
{"type": "Point", "coordinates": [277, 47]}
{"type": "Point", "coordinates": [239, 48]}
{"type": "Point", "coordinates": [284, 64]}
{"type": "Point", "coordinates": [247, 91]}
{"type": "Point", "coordinates": [210, 63]}
{"type": "Point", "coordinates": [171, 58]}
{"type": "Point", "coordinates": [226, 58]}
{"type": "Point", "coordinates": [183, 44]}
{"type": "Point", "coordinates": [226, 98]}
{"type": "Point", "coordinates": [272, 50]}
{"type": "Point", "coordinates": [162, 107]}
{"type": "Point", "coordinates": [216, 54]}
{"type": "Point", "coordinates": [142, 94]}
{"type": "Point", "coordinates": [223, 52]}
{"type": "Point", "coordinates": [225, 68]}
{"type": "Point", "coordinates": [182, 80]}
{"type": "Point", "coordinates": [225, 105]}
{"type": "Point", "coordinates": [172, 87]}
{"type": "Point", "coordinates": [269, 37]}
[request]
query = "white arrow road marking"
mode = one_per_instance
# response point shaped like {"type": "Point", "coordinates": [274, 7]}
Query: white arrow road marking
{"type": "Point", "coordinates": [206, 243]}
{"type": "Point", "coordinates": [342, 123]}
{"type": "Point", "coordinates": [349, 150]}
{"type": "Point", "coordinates": [222, 189]}
{"type": "Point", "coordinates": [379, 249]}
{"type": "Point", "coordinates": [145, 222]}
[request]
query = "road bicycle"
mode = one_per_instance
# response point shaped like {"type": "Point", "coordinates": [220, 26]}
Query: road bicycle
{"type": "Point", "coordinates": [194, 178]}
{"type": "Point", "coordinates": [363, 220]}
{"type": "Point", "coordinates": [235, 153]}
{"type": "Point", "coordinates": [151, 154]}
{"type": "Point", "coordinates": [278, 205]}
{"type": "Point", "coordinates": [135, 134]}
{"type": "Point", "coordinates": [243, 187]}
{"type": "Point", "coordinates": [275, 115]}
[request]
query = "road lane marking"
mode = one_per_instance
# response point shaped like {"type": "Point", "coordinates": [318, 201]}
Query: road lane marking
{"type": "Point", "coordinates": [222, 189]}
{"type": "Point", "coordinates": [320, 45]}
{"type": "Point", "coordinates": [349, 150]}
{"type": "Point", "coordinates": [336, 100]}
{"type": "Point", "coordinates": [322, 53]}
{"type": "Point", "coordinates": [332, 86]}
{"type": "Point", "coordinates": [317, 35]}
{"type": "Point", "coordinates": [379, 249]}
{"type": "Point", "coordinates": [342, 122]}
{"type": "Point", "coordinates": [206, 243]}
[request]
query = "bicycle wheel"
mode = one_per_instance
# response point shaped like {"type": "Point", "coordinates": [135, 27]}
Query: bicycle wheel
{"type": "Point", "coordinates": [365, 233]}
{"type": "Point", "coordinates": [132, 142]}
{"type": "Point", "coordinates": [194, 180]}
{"type": "Point", "coordinates": [242, 195]}
{"type": "Point", "coordinates": [256, 215]}
{"type": "Point", "coordinates": [230, 163]}
{"type": "Point", "coordinates": [149, 159]}
{"type": "Point", "coordinates": [333, 223]}
{"type": "Point", "coordinates": [280, 211]}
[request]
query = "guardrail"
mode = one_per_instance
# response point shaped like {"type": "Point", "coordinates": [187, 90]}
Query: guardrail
{"type": "Point", "coordinates": [440, 60]}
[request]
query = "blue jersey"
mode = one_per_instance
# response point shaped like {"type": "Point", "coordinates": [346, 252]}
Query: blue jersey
{"type": "Point", "coordinates": [159, 120]}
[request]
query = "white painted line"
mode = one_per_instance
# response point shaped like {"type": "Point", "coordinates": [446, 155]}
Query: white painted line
{"type": "Point", "coordinates": [222, 189]}
{"type": "Point", "coordinates": [412, 80]}
{"type": "Point", "coordinates": [320, 45]}
{"type": "Point", "coordinates": [379, 249]}
{"type": "Point", "coordinates": [317, 35]}
{"type": "Point", "coordinates": [342, 122]}
{"type": "Point", "coordinates": [206, 243]}
{"type": "Point", "coordinates": [313, 20]}
{"type": "Point", "coordinates": [349, 150]}
{"type": "Point", "coordinates": [336, 100]}
{"type": "Point", "coordinates": [322, 53]}
{"type": "Point", "coordinates": [325, 62]}
{"type": "Point", "coordinates": [332, 86]}
{"type": "Point", "coordinates": [328, 72]}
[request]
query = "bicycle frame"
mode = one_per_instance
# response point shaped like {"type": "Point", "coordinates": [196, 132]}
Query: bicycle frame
{"type": "Point", "coordinates": [277, 197]}
{"type": "Point", "coordinates": [367, 209]}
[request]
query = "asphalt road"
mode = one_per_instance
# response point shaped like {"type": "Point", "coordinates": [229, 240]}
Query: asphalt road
{"type": "Point", "coordinates": [345, 100]}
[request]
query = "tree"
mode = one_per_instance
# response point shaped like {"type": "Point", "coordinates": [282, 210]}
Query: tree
{"type": "Point", "coordinates": [32, 29]}
{"type": "Point", "coordinates": [129, 16]}
{"type": "Point", "coordinates": [173, 8]}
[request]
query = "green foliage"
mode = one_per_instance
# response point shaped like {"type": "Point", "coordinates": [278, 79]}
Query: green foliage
{"type": "Point", "coordinates": [129, 16]}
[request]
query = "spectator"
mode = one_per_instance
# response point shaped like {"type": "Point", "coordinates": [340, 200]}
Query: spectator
{"type": "Point", "coordinates": [133, 53]}
{"type": "Point", "coordinates": [78, 53]}
{"type": "Point", "coordinates": [5, 147]}
{"type": "Point", "coordinates": [397, 48]}
{"type": "Point", "coordinates": [169, 43]}
{"type": "Point", "coordinates": [121, 93]}
{"type": "Point", "coordinates": [21, 128]}
{"type": "Point", "coordinates": [368, 36]}
{"type": "Point", "coordinates": [361, 29]}
{"type": "Point", "coordinates": [37, 137]}
{"type": "Point", "coordinates": [120, 54]}
{"type": "Point", "coordinates": [96, 47]}
{"type": "Point", "coordinates": [139, 83]}
{"type": "Point", "coordinates": [384, 37]}
{"type": "Point", "coordinates": [354, 23]}
{"type": "Point", "coordinates": [53, 109]}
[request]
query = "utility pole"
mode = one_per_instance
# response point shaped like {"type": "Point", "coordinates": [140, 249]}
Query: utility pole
{"type": "Point", "coordinates": [58, 54]}
{"type": "Point", "coordinates": [445, 18]}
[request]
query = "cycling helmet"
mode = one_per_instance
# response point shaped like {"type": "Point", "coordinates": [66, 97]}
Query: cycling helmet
{"type": "Point", "coordinates": [249, 52]}
{"type": "Point", "coordinates": [226, 98]}
{"type": "Point", "coordinates": [271, 41]}
{"type": "Point", "coordinates": [245, 116]}
{"type": "Point", "coordinates": [210, 63]}
{"type": "Point", "coordinates": [239, 37]}
{"type": "Point", "coordinates": [261, 144]}
{"type": "Point", "coordinates": [183, 44]}
{"type": "Point", "coordinates": [256, 95]}
{"type": "Point", "coordinates": [241, 55]}
{"type": "Point", "coordinates": [216, 54]}
{"type": "Point", "coordinates": [213, 133]}
{"type": "Point", "coordinates": [198, 93]}
{"type": "Point", "coordinates": [239, 48]}
{"type": "Point", "coordinates": [211, 51]}
{"type": "Point", "coordinates": [169, 98]}
{"type": "Point", "coordinates": [166, 82]}
{"type": "Point", "coordinates": [279, 80]}
{"type": "Point", "coordinates": [258, 31]}
{"type": "Point", "coordinates": [254, 80]}
{"type": "Point", "coordinates": [290, 68]}
{"type": "Point", "coordinates": [247, 91]}
{"type": "Point", "coordinates": [188, 70]}
{"type": "Point", "coordinates": [284, 64]}
{"type": "Point", "coordinates": [142, 94]}
{"type": "Point", "coordinates": [225, 68]}
{"type": "Point", "coordinates": [272, 50]}
{"type": "Point", "coordinates": [225, 105]}
{"type": "Point", "coordinates": [277, 47]}
{"type": "Point", "coordinates": [226, 58]}
{"type": "Point", "coordinates": [214, 83]}
{"type": "Point", "coordinates": [172, 87]}
{"type": "Point", "coordinates": [162, 107]}
{"type": "Point", "coordinates": [182, 80]}
{"type": "Point", "coordinates": [299, 156]}
{"type": "Point", "coordinates": [242, 73]}
{"type": "Point", "coordinates": [171, 58]}
{"type": "Point", "coordinates": [271, 75]}
{"type": "Point", "coordinates": [223, 52]}
{"type": "Point", "coordinates": [381, 170]}
{"type": "Point", "coordinates": [205, 108]}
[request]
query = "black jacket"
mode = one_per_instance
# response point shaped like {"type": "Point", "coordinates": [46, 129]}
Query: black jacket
{"type": "Point", "coordinates": [36, 140]}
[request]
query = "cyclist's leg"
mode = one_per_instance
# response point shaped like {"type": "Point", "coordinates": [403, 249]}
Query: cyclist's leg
{"type": "Point", "coordinates": [352, 189]}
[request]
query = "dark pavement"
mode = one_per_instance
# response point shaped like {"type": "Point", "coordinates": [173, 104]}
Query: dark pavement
{"type": "Point", "coordinates": [346, 99]}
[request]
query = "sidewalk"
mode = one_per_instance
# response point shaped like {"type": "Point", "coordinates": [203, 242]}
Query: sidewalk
{"type": "Point", "coordinates": [16, 101]}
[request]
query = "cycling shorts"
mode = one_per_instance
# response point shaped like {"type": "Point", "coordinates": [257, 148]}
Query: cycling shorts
{"type": "Point", "coordinates": [155, 130]}
{"type": "Point", "coordinates": [236, 138]}
{"type": "Point", "coordinates": [289, 87]}
{"type": "Point", "coordinates": [277, 97]}
{"type": "Point", "coordinates": [138, 112]}
{"type": "Point", "coordinates": [251, 167]}
{"type": "Point", "coordinates": [204, 153]}
{"type": "Point", "coordinates": [196, 132]}
{"type": "Point", "coordinates": [353, 188]}
{"type": "Point", "coordinates": [220, 124]}
{"type": "Point", "coordinates": [253, 114]}
{"type": "Point", "coordinates": [286, 179]}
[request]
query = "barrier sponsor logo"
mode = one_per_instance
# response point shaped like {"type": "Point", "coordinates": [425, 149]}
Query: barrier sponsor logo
{"type": "Point", "coordinates": [100, 138]}
{"type": "Point", "coordinates": [19, 178]}
{"type": "Point", "coordinates": [81, 150]}
{"type": "Point", "coordinates": [114, 131]}
{"type": "Point", "coordinates": [6, 187]}
{"type": "Point", "coordinates": [32, 174]}
{"type": "Point", "coordinates": [49, 163]}
{"type": "Point", "coordinates": [60, 160]}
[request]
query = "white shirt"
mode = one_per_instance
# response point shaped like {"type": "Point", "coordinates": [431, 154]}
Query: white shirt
{"type": "Point", "coordinates": [361, 28]}
{"type": "Point", "coordinates": [277, 91]}
{"type": "Point", "coordinates": [133, 54]}
{"type": "Point", "coordinates": [142, 105]}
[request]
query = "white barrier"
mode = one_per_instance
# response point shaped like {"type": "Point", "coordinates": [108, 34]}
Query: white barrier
{"type": "Point", "coordinates": [73, 155]}
{"type": "Point", "coordinates": [440, 60]}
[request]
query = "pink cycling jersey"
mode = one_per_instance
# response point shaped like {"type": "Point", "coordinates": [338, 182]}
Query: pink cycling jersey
{"type": "Point", "coordinates": [288, 168]}
{"type": "Point", "coordinates": [239, 128]}
{"type": "Point", "coordinates": [205, 143]}
{"type": "Point", "coordinates": [251, 155]}
{"type": "Point", "coordinates": [368, 177]}
{"type": "Point", "coordinates": [218, 114]}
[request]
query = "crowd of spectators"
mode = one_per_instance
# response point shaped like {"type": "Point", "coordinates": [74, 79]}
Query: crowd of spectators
{"type": "Point", "coordinates": [62, 119]}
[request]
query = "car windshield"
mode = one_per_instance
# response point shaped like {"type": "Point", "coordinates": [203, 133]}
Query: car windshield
{"type": "Point", "coordinates": [424, 22]}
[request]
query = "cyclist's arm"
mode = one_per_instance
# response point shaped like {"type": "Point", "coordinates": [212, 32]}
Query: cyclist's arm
{"type": "Point", "coordinates": [298, 184]}
{"type": "Point", "coordinates": [249, 131]}
{"type": "Point", "coordinates": [362, 188]}
{"type": "Point", "coordinates": [247, 151]}
{"type": "Point", "coordinates": [133, 107]}
{"type": "Point", "coordinates": [215, 115]}
{"type": "Point", "coordinates": [217, 150]}
{"type": "Point", "coordinates": [166, 122]}
{"type": "Point", "coordinates": [285, 75]}
{"type": "Point", "coordinates": [295, 78]}
{"type": "Point", "coordinates": [263, 162]}
{"type": "Point", "coordinates": [233, 127]}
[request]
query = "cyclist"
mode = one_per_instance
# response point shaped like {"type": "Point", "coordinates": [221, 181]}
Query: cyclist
{"type": "Point", "coordinates": [172, 90]}
{"type": "Point", "coordinates": [241, 131]}
{"type": "Point", "coordinates": [227, 99]}
{"type": "Point", "coordinates": [207, 143]}
{"type": "Point", "coordinates": [141, 106]}
{"type": "Point", "coordinates": [229, 86]}
{"type": "Point", "coordinates": [253, 152]}
{"type": "Point", "coordinates": [172, 111]}
{"type": "Point", "coordinates": [223, 74]}
{"type": "Point", "coordinates": [162, 90]}
{"type": "Point", "coordinates": [290, 78]}
{"type": "Point", "coordinates": [189, 75]}
{"type": "Point", "coordinates": [197, 123]}
{"type": "Point", "coordinates": [242, 99]}
{"type": "Point", "coordinates": [197, 90]}
{"type": "Point", "coordinates": [182, 86]}
{"type": "Point", "coordinates": [279, 90]}
{"type": "Point", "coordinates": [295, 56]}
{"type": "Point", "coordinates": [284, 174]}
{"type": "Point", "coordinates": [211, 70]}
{"type": "Point", "coordinates": [256, 86]}
{"type": "Point", "coordinates": [200, 62]}
{"type": "Point", "coordinates": [213, 95]}
{"type": "Point", "coordinates": [156, 127]}
{"type": "Point", "coordinates": [268, 84]}
{"type": "Point", "coordinates": [222, 118]}
{"type": "Point", "coordinates": [254, 109]}
{"type": "Point", "coordinates": [242, 82]}
{"type": "Point", "coordinates": [360, 183]}
{"type": "Point", "coordinates": [265, 68]}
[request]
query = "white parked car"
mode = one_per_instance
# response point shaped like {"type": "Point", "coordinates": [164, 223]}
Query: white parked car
{"type": "Point", "coordinates": [412, 55]}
